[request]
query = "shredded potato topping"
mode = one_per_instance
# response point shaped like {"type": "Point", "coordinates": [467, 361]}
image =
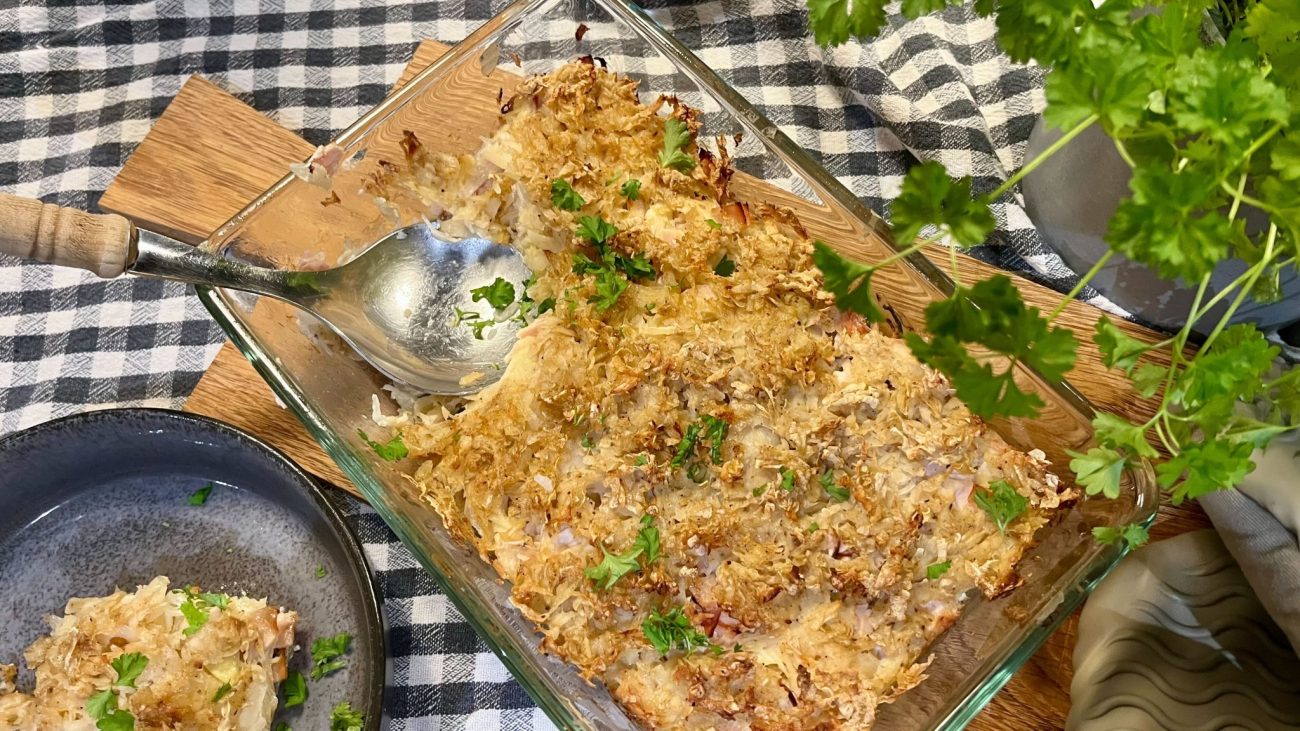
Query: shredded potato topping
{"type": "Point", "coordinates": [220, 675]}
{"type": "Point", "coordinates": [800, 541]}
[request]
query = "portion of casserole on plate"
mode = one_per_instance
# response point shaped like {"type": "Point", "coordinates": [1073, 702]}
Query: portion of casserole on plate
{"type": "Point", "coordinates": [734, 505]}
{"type": "Point", "coordinates": [154, 659]}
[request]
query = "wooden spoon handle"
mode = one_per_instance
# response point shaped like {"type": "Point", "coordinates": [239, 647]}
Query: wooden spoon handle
{"type": "Point", "coordinates": [103, 244]}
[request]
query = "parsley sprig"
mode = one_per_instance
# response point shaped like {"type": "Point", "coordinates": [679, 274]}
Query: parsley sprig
{"type": "Point", "coordinates": [1207, 131]}
{"type": "Point", "coordinates": [677, 136]}
{"type": "Point", "coordinates": [327, 654]}
{"type": "Point", "coordinates": [615, 566]}
{"type": "Point", "coordinates": [611, 269]}
{"type": "Point", "coordinates": [672, 630]}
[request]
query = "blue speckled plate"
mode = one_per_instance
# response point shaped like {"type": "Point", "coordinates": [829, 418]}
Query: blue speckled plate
{"type": "Point", "coordinates": [100, 500]}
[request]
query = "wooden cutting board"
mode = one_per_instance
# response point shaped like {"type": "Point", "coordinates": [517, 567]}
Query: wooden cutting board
{"type": "Point", "coordinates": [209, 154]}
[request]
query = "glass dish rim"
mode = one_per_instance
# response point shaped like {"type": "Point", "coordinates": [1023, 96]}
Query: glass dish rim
{"type": "Point", "coordinates": [799, 161]}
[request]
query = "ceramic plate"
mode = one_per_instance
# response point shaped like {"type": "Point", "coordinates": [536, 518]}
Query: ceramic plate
{"type": "Point", "coordinates": [100, 500]}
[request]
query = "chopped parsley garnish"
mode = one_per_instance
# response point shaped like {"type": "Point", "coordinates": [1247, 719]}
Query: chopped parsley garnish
{"type": "Point", "coordinates": [935, 570]}
{"type": "Point", "coordinates": [758, 491]}
{"type": "Point", "coordinates": [1002, 503]}
{"type": "Point", "coordinates": [320, 571]}
{"type": "Point", "coordinates": [697, 472]}
{"type": "Point", "coordinates": [222, 692]}
{"type": "Point", "coordinates": [836, 493]}
{"type": "Point", "coordinates": [101, 704]}
{"type": "Point", "coordinates": [500, 293]}
{"type": "Point", "coordinates": [613, 270]}
{"type": "Point", "coordinates": [564, 197]}
{"type": "Point", "coordinates": [282, 726]}
{"type": "Point", "coordinates": [128, 667]}
{"type": "Point", "coordinates": [343, 718]}
{"type": "Point", "coordinates": [118, 720]}
{"type": "Point", "coordinates": [813, 527]}
{"type": "Point", "coordinates": [715, 431]}
{"type": "Point", "coordinates": [687, 445]}
{"type": "Point", "coordinates": [327, 654]}
{"type": "Point", "coordinates": [391, 451]}
{"type": "Point", "coordinates": [677, 135]}
{"type": "Point", "coordinates": [631, 190]}
{"type": "Point", "coordinates": [596, 230]}
{"type": "Point", "coordinates": [1134, 534]}
{"type": "Point", "coordinates": [609, 287]}
{"type": "Point", "coordinates": [220, 601]}
{"type": "Point", "coordinates": [295, 689]}
{"type": "Point", "coordinates": [673, 631]}
{"type": "Point", "coordinates": [712, 223]}
{"type": "Point", "coordinates": [641, 459]}
{"type": "Point", "coordinates": [546, 306]}
{"type": "Point", "coordinates": [725, 267]}
{"type": "Point", "coordinates": [787, 479]}
{"type": "Point", "coordinates": [200, 496]}
{"type": "Point", "coordinates": [615, 566]}
{"type": "Point", "coordinates": [195, 608]}
{"type": "Point", "coordinates": [587, 442]}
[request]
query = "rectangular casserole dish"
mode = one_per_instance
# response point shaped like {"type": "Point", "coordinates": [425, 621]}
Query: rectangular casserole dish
{"type": "Point", "coordinates": [454, 103]}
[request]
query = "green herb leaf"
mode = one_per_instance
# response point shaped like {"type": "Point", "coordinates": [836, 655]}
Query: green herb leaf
{"type": "Point", "coordinates": [836, 493]}
{"type": "Point", "coordinates": [697, 472]}
{"type": "Point", "coordinates": [118, 720]}
{"type": "Point", "coordinates": [715, 431]}
{"type": "Point", "coordinates": [564, 197]}
{"type": "Point", "coordinates": [222, 692]}
{"type": "Point", "coordinates": [725, 267]}
{"type": "Point", "coordinates": [129, 667]}
{"type": "Point", "coordinates": [295, 689]}
{"type": "Point", "coordinates": [1002, 503]}
{"type": "Point", "coordinates": [282, 726]}
{"type": "Point", "coordinates": [813, 527]}
{"type": "Point", "coordinates": [546, 306]}
{"type": "Point", "coordinates": [712, 223]}
{"type": "Point", "coordinates": [1148, 379]}
{"type": "Point", "coordinates": [787, 479]}
{"type": "Point", "coordinates": [647, 539]}
{"type": "Point", "coordinates": [935, 570]}
{"type": "Point", "coordinates": [200, 496]}
{"type": "Point", "coordinates": [327, 654]}
{"type": "Point", "coordinates": [596, 230]}
{"type": "Point", "coordinates": [641, 460]}
{"type": "Point", "coordinates": [1099, 470]}
{"type": "Point", "coordinates": [929, 196]}
{"type": "Point", "coordinates": [835, 21]}
{"type": "Point", "coordinates": [686, 447]}
{"type": "Point", "coordinates": [343, 718]}
{"type": "Point", "coordinates": [500, 293]}
{"type": "Point", "coordinates": [677, 136]}
{"type": "Point", "coordinates": [1133, 534]}
{"type": "Point", "coordinates": [195, 615]}
{"type": "Point", "coordinates": [758, 491]}
{"type": "Point", "coordinates": [1119, 433]}
{"type": "Point", "coordinates": [1169, 223]}
{"type": "Point", "coordinates": [320, 571]}
{"type": "Point", "coordinates": [848, 280]}
{"type": "Point", "coordinates": [631, 189]}
{"type": "Point", "coordinates": [609, 287]}
{"type": "Point", "coordinates": [672, 630]}
{"type": "Point", "coordinates": [1118, 348]}
{"type": "Point", "coordinates": [1200, 469]}
{"type": "Point", "coordinates": [391, 451]}
{"type": "Point", "coordinates": [220, 601]}
{"type": "Point", "coordinates": [100, 704]}
{"type": "Point", "coordinates": [612, 567]}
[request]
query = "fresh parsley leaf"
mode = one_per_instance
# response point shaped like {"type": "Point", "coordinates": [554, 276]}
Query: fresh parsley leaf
{"type": "Point", "coordinates": [929, 196]}
{"type": "Point", "coordinates": [320, 571]}
{"type": "Point", "coordinates": [128, 667]}
{"type": "Point", "coordinates": [1099, 470]}
{"type": "Point", "coordinates": [758, 491]}
{"type": "Point", "coordinates": [546, 306]}
{"type": "Point", "coordinates": [1169, 222]}
{"type": "Point", "coordinates": [564, 197]}
{"type": "Point", "coordinates": [631, 190]}
{"type": "Point", "coordinates": [200, 496]}
{"type": "Point", "coordinates": [1225, 99]}
{"type": "Point", "coordinates": [612, 567]}
{"type": "Point", "coordinates": [587, 442]}
{"type": "Point", "coordinates": [195, 616]}
{"type": "Point", "coordinates": [327, 654]}
{"type": "Point", "coordinates": [697, 471]}
{"type": "Point", "coordinates": [713, 224]}
{"type": "Point", "coordinates": [813, 527]}
{"type": "Point", "coordinates": [1206, 467]}
{"type": "Point", "coordinates": [993, 315]}
{"type": "Point", "coordinates": [100, 704]}
{"type": "Point", "coordinates": [935, 570]}
{"type": "Point", "coordinates": [1118, 348]}
{"type": "Point", "coordinates": [295, 689]}
{"type": "Point", "coordinates": [836, 493]}
{"type": "Point", "coordinates": [725, 267]}
{"type": "Point", "coordinates": [282, 726]}
{"type": "Point", "coordinates": [1119, 433]}
{"type": "Point", "coordinates": [848, 280]}
{"type": "Point", "coordinates": [1148, 378]}
{"type": "Point", "coordinates": [715, 431]}
{"type": "Point", "coordinates": [500, 293]}
{"type": "Point", "coordinates": [835, 21]}
{"type": "Point", "coordinates": [677, 135]}
{"type": "Point", "coordinates": [391, 451]}
{"type": "Point", "coordinates": [647, 539]}
{"type": "Point", "coordinates": [343, 718]}
{"type": "Point", "coordinates": [1134, 534]}
{"type": "Point", "coordinates": [641, 460]}
{"type": "Point", "coordinates": [220, 601]}
{"type": "Point", "coordinates": [609, 287]}
{"type": "Point", "coordinates": [686, 447]}
{"type": "Point", "coordinates": [787, 479]}
{"type": "Point", "coordinates": [118, 720]}
{"type": "Point", "coordinates": [222, 692]}
{"type": "Point", "coordinates": [1002, 503]}
{"type": "Point", "coordinates": [596, 230]}
{"type": "Point", "coordinates": [672, 630]}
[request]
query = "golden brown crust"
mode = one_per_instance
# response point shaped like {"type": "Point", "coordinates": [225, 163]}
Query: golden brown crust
{"type": "Point", "coordinates": [821, 607]}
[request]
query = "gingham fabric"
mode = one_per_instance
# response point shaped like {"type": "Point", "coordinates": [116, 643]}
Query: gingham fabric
{"type": "Point", "coordinates": [81, 81]}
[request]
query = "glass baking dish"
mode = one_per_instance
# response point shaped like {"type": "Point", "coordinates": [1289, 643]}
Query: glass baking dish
{"type": "Point", "coordinates": [451, 105]}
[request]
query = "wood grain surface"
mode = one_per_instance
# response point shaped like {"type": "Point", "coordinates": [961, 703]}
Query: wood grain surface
{"type": "Point", "coordinates": [209, 154]}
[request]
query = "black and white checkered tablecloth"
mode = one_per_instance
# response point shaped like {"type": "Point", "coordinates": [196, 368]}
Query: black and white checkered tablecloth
{"type": "Point", "coordinates": [81, 81]}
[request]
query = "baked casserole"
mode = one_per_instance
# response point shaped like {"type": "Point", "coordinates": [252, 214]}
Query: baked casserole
{"type": "Point", "coordinates": [735, 506]}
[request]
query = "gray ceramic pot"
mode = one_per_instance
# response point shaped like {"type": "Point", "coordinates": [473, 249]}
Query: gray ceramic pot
{"type": "Point", "coordinates": [1071, 199]}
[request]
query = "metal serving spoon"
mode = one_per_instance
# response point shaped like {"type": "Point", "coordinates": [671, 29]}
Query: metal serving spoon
{"type": "Point", "coordinates": [395, 303]}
